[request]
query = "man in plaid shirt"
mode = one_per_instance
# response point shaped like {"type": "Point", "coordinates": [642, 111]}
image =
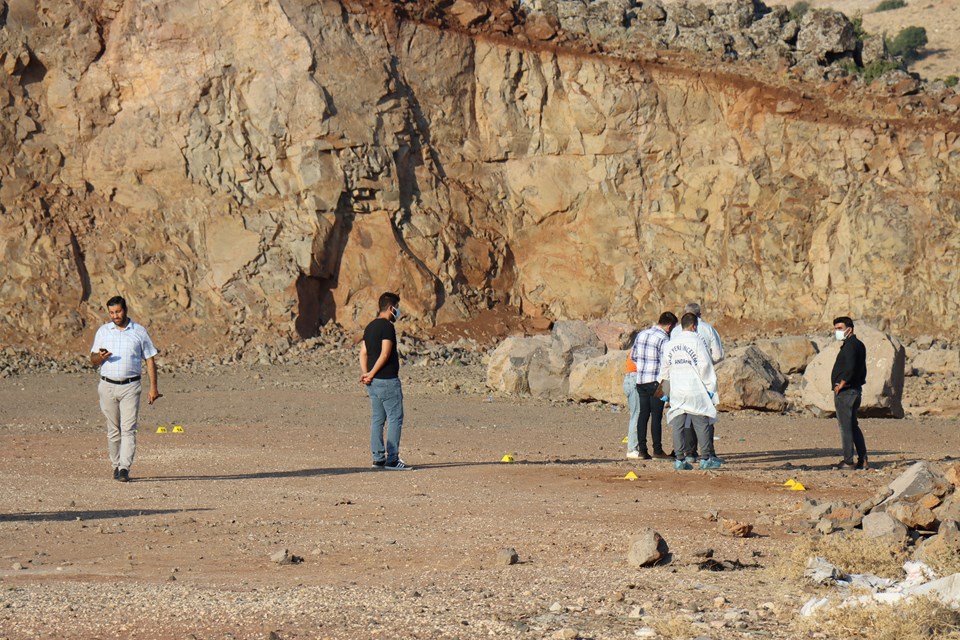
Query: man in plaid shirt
{"type": "Point", "coordinates": [647, 350]}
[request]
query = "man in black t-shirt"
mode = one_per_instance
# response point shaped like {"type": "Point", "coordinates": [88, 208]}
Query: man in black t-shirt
{"type": "Point", "coordinates": [382, 379]}
{"type": "Point", "coordinates": [848, 376]}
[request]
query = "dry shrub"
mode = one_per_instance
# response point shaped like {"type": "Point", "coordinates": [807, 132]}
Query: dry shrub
{"type": "Point", "coordinates": [943, 558]}
{"type": "Point", "coordinates": [676, 627]}
{"type": "Point", "coordinates": [851, 552]}
{"type": "Point", "coordinates": [917, 619]}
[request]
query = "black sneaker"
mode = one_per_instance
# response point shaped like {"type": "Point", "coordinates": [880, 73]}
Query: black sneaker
{"type": "Point", "coordinates": [843, 465]}
{"type": "Point", "coordinates": [399, 465]}
{"type": "Point", "coordinates": [116, 473]}
{"type": "Point", "coordinates": [378, 463]}
{"type": "Point", "coordinates": [123, 476]}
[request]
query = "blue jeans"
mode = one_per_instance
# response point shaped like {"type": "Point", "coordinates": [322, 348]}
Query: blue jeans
{"type": "Point", "coordinates": [633, 404]}
{"type": "Point", "coordinates": [386, 404]}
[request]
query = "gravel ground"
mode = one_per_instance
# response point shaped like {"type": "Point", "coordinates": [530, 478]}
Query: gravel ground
{"type": "Point", "coordinates": [275, 457]}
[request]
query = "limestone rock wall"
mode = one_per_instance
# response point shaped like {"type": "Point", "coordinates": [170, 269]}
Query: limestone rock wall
{"type": "Point", "coordinates": [245, 170]}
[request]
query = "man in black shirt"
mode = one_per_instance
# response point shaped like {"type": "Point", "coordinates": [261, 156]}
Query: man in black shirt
{"type": "Point", "coordinates": [848, 376]}
{"type": "Point", "coordinates": [382, 379]}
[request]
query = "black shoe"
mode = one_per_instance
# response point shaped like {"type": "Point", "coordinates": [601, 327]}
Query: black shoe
{"type": "Point", "coordinates": [843, 465]}
{"type": "Point", "coordinates": [123, 476]}
{"type": "Point", "coordinates": [399, 465]}
{"type": "Point", "coordinates": [660, 455]}
{"type": "Point", "coordinates": [862, 463]}
{"type": "Point", "coordinates": [116, 473]}
{"type": "Point", "coordinates": [378, 463]}
{"type": "Point", "coordinates": [645, 456]}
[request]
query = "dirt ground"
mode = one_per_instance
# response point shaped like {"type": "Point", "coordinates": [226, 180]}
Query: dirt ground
{"type": "Point", "coordinates": [275, 458]}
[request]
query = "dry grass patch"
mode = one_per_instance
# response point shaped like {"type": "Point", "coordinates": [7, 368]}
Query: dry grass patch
{"type": "Point", "coordinates": [851, 552]}
{"type": "Point", "coordinates": [918, 619]}
{"type": "Point", "coordinates": [675, 627]}
{"type": "Point", "coordinates": [943, 558]}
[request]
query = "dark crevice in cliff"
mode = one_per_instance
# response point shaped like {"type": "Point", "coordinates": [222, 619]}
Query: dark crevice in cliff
{"type": "Point", "coordinates": [80, 261]}
{"type": "Point", "coordinates": [317, 305]}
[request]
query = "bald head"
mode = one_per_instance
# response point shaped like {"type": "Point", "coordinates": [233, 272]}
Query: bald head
{"type": "Point", "coordinates": [692, 307]}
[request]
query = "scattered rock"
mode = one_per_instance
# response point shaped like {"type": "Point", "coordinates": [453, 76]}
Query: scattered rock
{"type": "Point", "coordinates": [735, 528]}
{"type": "Point", "coordinates": [920, 479]}
{"type": "Point", "coordinates": [647, 548]}
{"type": "Point", "coordinates": [883, 525]}
{"type": "Point", "coordinates": [283, 556]}
{"type": "Point", "coordinates": [506, 557]}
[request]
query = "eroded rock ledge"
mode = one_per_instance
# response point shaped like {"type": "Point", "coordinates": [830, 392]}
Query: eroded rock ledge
{"type": "Point", "coordinates": [253, 170]}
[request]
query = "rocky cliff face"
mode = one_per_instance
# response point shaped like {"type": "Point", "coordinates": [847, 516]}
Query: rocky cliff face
{"type": "Point", "coordinates": [248, 170]}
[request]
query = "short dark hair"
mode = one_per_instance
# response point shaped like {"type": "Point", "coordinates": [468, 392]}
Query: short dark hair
{"type": "Point", "coordinates": [667, 318]}
{"type": "Point", "coordinates": [117, 300]}
{"type": "Point", "coordinates": [388, 300]}
{"type": "Point", "coordinates": [688, 320]}
{"type": "Point", "coordinates": [844, 320]}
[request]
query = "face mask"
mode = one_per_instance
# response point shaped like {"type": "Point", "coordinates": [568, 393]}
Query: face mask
{"type": "Point", "coordinates": [840, 335]}
{"type": "Point", "coordinates": [396, 314]}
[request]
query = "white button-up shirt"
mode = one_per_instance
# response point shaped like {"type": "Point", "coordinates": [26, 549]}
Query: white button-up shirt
{"type": "Point", "coordinates": [129, 346]}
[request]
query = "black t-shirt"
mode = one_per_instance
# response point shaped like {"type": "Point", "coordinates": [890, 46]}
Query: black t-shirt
{"type": "Point", "coordinates": [373, 336]}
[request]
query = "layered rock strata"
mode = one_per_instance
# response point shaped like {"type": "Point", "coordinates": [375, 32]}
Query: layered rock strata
{"type": "Point", "coordinates": [246, 170]}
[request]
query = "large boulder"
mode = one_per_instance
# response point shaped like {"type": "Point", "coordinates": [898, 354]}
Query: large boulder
{"type": "Point", "coordinates": [615, 335]}
{"type": "Point", "coordinates": [548, 373]}
{"type": "Point", "coordinates": [599, 378]}
{"type": "Point", "coordinates": [883, 392]}
{"type": "Point", "coordinates": [937, 361]}
{"type": "Point", "coordinates": [750, 381]}
{"type": "Point", "coordinates": [789, 354]}
{"type": "Point", "coordinates": [510, 362]}
{"type": "Point", "coordinates": [825, 34]}
{"type": "Point", "coordinates": [540, 365]}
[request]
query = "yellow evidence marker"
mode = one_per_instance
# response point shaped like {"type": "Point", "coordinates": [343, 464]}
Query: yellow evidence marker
{"type": "Point", "coordinates": [631, 476]}
{"type": "Point", "coordinates": [507, 458]}
{"type": "Point", "coordinates": [161, 429]}
{"type": "Point", "coordinates": [178, 429]}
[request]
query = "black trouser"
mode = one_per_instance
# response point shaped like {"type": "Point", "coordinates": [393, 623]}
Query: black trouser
{"type": "Point", "coordinates": [651, 409]}
{"type": "Point", "coordinates": [847, 402]}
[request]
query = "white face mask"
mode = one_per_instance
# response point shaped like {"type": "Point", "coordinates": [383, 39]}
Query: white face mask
{"type": "Point", "coordinates": [840, 334]}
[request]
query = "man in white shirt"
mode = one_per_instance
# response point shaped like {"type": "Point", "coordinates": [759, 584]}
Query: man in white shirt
{"type": "Point", "coordinates": [693, 394]}
{"type": "Point", "coordinates": [120, 348]}
{"type": "Point", "coordinates": [705, 330]}
{"type": "Point", "coordinates": [710, 338]}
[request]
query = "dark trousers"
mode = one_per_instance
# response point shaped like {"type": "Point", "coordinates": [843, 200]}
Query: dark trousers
{"type": "Point", "coordinates": [847, 402]}
{"type": "Point", "coordinates": [651, 410]}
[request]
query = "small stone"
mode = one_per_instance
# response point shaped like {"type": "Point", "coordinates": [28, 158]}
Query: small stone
{"type": "Point", "coordinates": [567, 633]}
{"type": "Point", "coordinates": [556, 607]}
{"type": "Point", "coordinates": [18, 567]}
{"type": "Point", "coordinates": [735, 528]}
{"type": "Point", "coordinates": [646, 548]}
{"type": "Point", "coordinates": [506, 557]}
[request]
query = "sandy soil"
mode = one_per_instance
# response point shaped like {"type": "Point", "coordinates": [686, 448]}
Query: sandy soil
{"type": "Point", "coordinates": [277, 458]}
